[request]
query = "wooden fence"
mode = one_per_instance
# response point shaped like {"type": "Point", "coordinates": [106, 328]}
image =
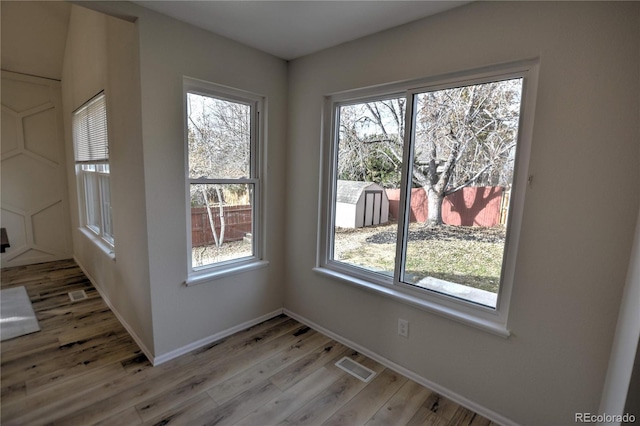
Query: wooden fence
{"type": "Point", "coordinates": [470, 206]}
{"type": "Point", "coordinates": [237, 223]}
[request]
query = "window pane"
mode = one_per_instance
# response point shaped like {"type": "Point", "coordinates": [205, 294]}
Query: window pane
{"type": "Point", "coordinates": [221, 222]}
{"type": "Point", "coordinates": [219, 138]}
{"type": "Point", "coordinates": [92, 201]}
{"type": "Point", "coordinates": [105, 193]}
{"type": "Point", "coordinates": [464, 151]}
{"type": "Point", "coordinates": [369, 163]}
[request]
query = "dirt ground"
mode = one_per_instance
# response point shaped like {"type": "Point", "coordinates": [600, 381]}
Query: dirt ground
{"type": "Point", "coordinates": [419, 231]}
{"type": "Point", "coordinates": [350, 238]}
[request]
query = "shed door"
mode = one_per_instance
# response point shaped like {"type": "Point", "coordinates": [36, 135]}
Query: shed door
{"type": "Point", "coordinates": [372, 207]}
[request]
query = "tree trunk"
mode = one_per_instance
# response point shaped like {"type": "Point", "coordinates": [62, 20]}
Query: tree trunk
{"type": "Point", "coordinates": [221, 214]}
{"type": "Point", "coordinates": [210, 217]}
{"type": "Point", "coordinates": [434, 207]}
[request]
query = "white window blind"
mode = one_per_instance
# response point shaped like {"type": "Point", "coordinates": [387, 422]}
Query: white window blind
{"type": "Point", "coordinates": [90, 131]}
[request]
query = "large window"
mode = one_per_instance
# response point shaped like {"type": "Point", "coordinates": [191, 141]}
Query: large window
{"type": "Point", "coordinates": [223, 185]}
{"type": "Point", "coordinates": [424, 190]}
{"type": "Point", "coordinates": [91, 146]}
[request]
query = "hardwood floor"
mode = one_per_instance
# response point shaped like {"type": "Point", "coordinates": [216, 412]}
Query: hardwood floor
{"type": "Point", "coordinates": [83, 368]}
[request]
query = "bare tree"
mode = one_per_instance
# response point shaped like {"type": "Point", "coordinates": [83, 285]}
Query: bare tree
{"type": "Point", "coordinates": [463, 136]}
{"type": "Point", "coordinates": [371, 140]}
{"type": "Point", "coordinates": [219, 148]}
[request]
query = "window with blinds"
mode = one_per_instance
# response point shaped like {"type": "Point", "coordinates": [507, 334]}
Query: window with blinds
{"type": "Point", "coordinates": [91, 150]}
{"type": "Point", "coordinates": [90, 131]}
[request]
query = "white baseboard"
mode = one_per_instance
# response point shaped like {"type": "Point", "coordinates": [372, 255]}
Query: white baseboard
{"type": "Point", "coordinates": [214, 337]}
{"type": "Point", "coordinates": [447, 393]}
{"type": "Point", "coordinates": [120, 318]}
{"type": "Point", "coordinates": [157, 360]}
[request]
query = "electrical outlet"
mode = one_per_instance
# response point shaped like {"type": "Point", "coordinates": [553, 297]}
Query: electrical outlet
{"type": "Point", "coordinates": [403, 327]}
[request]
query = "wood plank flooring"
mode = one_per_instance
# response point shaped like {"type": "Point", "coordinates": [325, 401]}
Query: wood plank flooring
{"type": "Point", "coordinates": [83, 368]}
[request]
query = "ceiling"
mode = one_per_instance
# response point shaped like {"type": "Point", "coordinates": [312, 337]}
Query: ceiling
{"type": "Point", "coordinates": [33, 36]}
{"type": "Point", "coordinates": [291, 29]}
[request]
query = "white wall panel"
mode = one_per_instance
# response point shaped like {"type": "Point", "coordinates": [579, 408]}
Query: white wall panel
{"type": "Point", "coordinates": [35, 209]}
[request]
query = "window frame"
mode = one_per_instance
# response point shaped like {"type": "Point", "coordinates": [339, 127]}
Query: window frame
{"type": "Point", "coordinates": [200, 274]}
{"type": "Point", "coordinates": [100, 177]}
{"type": "Point", "coordinates": [480, 316]}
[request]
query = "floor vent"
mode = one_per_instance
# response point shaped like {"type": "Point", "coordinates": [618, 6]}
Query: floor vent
{"type": "Point", "coordinates": [356, 369]}
{"type": "Point", "coordinates": [77, 295]}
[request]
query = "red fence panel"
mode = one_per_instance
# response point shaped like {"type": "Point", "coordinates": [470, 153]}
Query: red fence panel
{"type": "Point", "coordinates": [418, 204]}
{"type": "Point", "coordinates": [470, 206]}
{"type": "Point", "coordinates": [238, 222]}
{"type": "Point", "coordinates": [473, 206]}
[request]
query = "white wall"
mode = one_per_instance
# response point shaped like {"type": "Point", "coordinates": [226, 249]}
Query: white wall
{"type": "Point", "coordinates": [180, 316]}
{"type": "Point", "coordinates": [579, 214]}
{"type": "Point", "coordinates": [168, 51]}
{"type": "Point", "coordinates": [101, 54]}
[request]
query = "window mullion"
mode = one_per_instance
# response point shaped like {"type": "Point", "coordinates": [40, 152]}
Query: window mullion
{"type": "Point", "coordinates": [331, 183]}
{"type": "Point", "coordinates": [405, 185]}
{"type": "Point", "coordinates": [103, 222]}
{"type": "Point", "coordinates": [255, 120]}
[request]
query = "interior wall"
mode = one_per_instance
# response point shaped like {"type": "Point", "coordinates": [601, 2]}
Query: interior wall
{"type": "Point", "coordinates": [101, 54]}
{"type": "Point", "coordinates": [170, 50]}
{"type": "Point", "coordinates": [33, 37]}
{"type": "Point", "coordinates": [579, 214]}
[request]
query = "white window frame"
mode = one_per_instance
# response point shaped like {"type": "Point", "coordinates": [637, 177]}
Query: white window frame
{"type": "Point", "coordinates": [94, 166]}
{"type": "Point", "coordinates": [482, 317]}
{"type": "Point", "coordinates": [198, 275]}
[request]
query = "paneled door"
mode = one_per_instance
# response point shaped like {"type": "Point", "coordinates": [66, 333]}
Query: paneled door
{"type": "Point", "coordinates": [372, 208]}
{"type": "Point", "coordinates": [35, 208]}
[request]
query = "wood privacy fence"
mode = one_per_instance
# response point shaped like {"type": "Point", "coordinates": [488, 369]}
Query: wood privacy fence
{"type": "Point", "coordinates": [237, 224]}
{"type": "Point", "coordinates": [470, 206]}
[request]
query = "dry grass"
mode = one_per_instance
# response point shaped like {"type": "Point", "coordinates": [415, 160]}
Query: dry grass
{"type": "Point", "coordinates": [465, 255]}
{"type": "Point", "coordinates": [229, 250]}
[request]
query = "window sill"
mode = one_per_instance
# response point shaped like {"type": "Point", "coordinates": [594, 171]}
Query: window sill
{"type": "Point", "coordinates": [99, 242]}
{"type": "Point", "coordinates": [450, 312]}
{"type": "Point", "coordinates": [481, 297]}
{"type": "Point", "coordinates": [201, 277]}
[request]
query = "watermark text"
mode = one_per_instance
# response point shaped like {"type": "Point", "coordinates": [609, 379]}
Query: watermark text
{"type": "Point", "coordinates": [604, 418]}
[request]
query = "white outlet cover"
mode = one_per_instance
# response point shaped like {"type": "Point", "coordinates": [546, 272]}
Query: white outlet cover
{"type": "Point", "coordinates": [403, 327]}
